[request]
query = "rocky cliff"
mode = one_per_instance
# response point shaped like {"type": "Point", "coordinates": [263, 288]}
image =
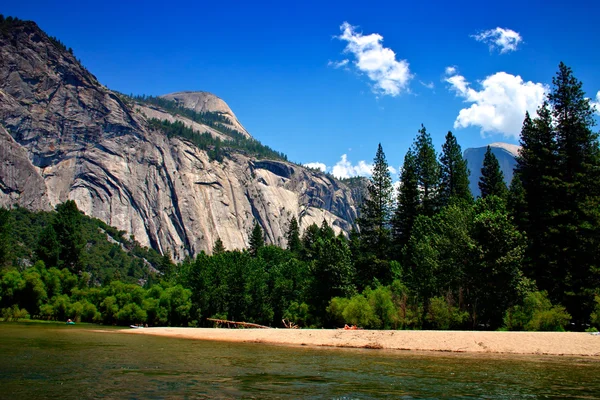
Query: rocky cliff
{"type": "Point", "coordinates": [65, 136]}
{"type": "Point", "coordinates": [504, 152]}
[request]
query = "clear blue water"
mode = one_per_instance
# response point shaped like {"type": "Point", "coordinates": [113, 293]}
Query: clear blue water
{"type": "Point", "coordinates": [41, 361]}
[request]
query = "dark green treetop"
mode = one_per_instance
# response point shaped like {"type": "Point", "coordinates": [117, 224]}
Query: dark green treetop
{"type": "Point", "coordinates": [454, 173]}
{"type": "Point", "coordinates": [491, 182]}
{"type": "Point", "coordinates": [257, 239]}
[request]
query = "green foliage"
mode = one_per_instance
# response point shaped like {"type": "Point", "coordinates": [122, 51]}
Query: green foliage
{"type": "Point", "coordinates": [407, 204]}
{"type": "Point", "coordinates": [428, 172]}
{"type": "Point", "coordinates": [492, 182]}
{"type": "Point", "coordinates": [216, 148]}
{"type": "Point", "coordinates": [536, 314]}
{"type": "Point", "coordinates": [257, 239]}
{"type": "Point", "coordinates": [294, 244]}
{"type": "Point", "coordinates": [454, 183]}
{"type": "Point", "coordinates": [443, 314]}
{"type": "Point", "coordinates": [374, 221]}
{"type": "Point", "coordinates": [560, 169]}
{"type": "Point", "coordinates": [33, 236]}
{"type": "Point", "coordinates": [595, 316]}
{"type": "Point", "coordinates": [218, 247]}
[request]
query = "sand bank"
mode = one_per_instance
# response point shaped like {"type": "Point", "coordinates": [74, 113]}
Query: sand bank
{"type": "Point", "coordinates": [553, 343]}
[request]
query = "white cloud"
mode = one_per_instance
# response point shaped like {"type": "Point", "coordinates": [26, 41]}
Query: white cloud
{"type": "Point", "coordinates": [392, 170]}
{"type": "Point", "coordinates": [317, 165]}
{"type": "Point", "coordinates": [390, 76]}
{"type": "Point", "coordinates": [596, 104]}
{"type": "Point", "coordinates": [500, 105]}
{"type": "Point", "coordinates": [450, 70]}
{"type": "Point", "coordinates": [505, 40]}
{"type": "Point", "coordinates": [428, 85]}
{"type": "Point", "coordinates": [345, 169]}
{"type": "Point", "coordinates": [338, 64]}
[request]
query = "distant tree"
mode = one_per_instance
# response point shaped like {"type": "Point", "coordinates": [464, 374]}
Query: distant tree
{"type": "Point", "coordinates": [4, 236]}
{"type": "Point", "coordinates": [294, 244]}
{"type": "Point", "coordinates": [428, 172]}
{"type": "Point", "coordinates": [257, 240]}
{"type": "Point", "coordinates": [218, 247]}
{"type": "Point", "coordinates": [491, 182]}
{"type": "Point", "coordinates": [376, 208]}
{"type": "Point", "coordinates": [407, 204]}
{"type": "Point", "coordinates": [517, 203]}
{"type": "Point", "coordinates": [67, 226]}
{"type": "Point", "coordinates": [454, 173]}
{"type": "Point", "coordinates": [48, 247]}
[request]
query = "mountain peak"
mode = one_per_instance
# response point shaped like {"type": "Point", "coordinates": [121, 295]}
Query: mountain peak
{"type": "Point", "coordinates": [202, 102]}
{"type": "Point", "coordinates": [511, 148]}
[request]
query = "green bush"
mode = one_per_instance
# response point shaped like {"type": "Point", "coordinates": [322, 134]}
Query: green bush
{"type": "Point", "coordinates": [443, 314]}
{"type": "Point", "coordinates": [595, 317]}
{"type": "Point", "coordinates": [536, 314]}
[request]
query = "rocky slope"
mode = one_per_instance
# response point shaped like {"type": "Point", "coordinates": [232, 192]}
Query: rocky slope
{"type": "Point", "coordinates": [202, 102]}
{"type": "Point", "coordinates": [504, 152]}
{"type": "Point", "coordinates": [64, 136]}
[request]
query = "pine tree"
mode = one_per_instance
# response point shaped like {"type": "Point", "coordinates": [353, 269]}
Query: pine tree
{"type": "Point", "coordinates": [577, 221]}
{"type": "Point", "coordinates": [218, 247]}
{"type": "Point", "coordinates": [294, 244]}
{"type": "Point", "coordinates": [407, 205]}
{"type": "Point", "coordinates": [67, 226]}
{"type": "Point", "coordinates": [491, 182]}
{"type": "Point", "coordinates": [428, 172]}
{"type": "Point", "coordinates": [517, 203]}
{"type": "Point", "coordinates": [257, 240]}
{"type": "Point", "coordinates": [454, 173]}
{"type": "Point", "coordinates": [538, 169]}
{"type": "Point", "coordinates": [376, 208]}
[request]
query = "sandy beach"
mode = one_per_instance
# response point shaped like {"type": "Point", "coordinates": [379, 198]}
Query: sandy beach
{"type": "Point", "coordinates": [551, 343]}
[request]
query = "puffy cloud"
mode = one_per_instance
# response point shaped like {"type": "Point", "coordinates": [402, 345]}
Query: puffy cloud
{"type": "Point", "coordinates": [428, 85]}
{"type": "Point", "coordinates": [505, 40]}
{"type": "Point", "coordinates": [345, 169]}
{"type": "Point", "coordinates": [500, 105]}
{"type": "Point", "coordinates": [596, 104]}
{"type": "Point", "coordinates": [316, 165]}
{"type": "Point", "coordinates": [389, 75]}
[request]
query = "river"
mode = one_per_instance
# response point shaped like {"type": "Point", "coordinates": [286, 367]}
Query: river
{"type": "Point", "coordinates": [41, 361]}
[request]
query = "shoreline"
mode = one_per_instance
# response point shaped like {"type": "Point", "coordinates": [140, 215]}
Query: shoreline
{"type": "Point", "coordinates": [494, 342]}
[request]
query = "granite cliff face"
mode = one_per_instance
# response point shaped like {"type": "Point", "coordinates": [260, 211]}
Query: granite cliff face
{"type": "Point", "coordinates": [505, 153]}
{"type": "Point", "coordinates": [65, 136]}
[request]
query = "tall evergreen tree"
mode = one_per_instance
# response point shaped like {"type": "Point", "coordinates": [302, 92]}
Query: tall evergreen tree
{"type": "Point", "coordinates": [491, 182]}
{"type": "Point", "coordinates": [517, 203]}
{"type": "Point", "coordinates": [218, 247]}
{"type": "Point", "coordinates": [454, 173]}
{"type": "Point", "coordinates": [257, 239]}
{"type": "Point", "coordinates": [428, 172]}
{"type": "Point", "coordinates": [376, 209]}
{"type": "Point", "coordinates": [67, 226]}
{"type": "Point", "coordinates": [577, 223]}
{"type": "Point", "coordinates": [538, 169]}
{"type": "Point", "coordinates": [407, 205]}
{"type": "Point", "coordinates": [294, 244]}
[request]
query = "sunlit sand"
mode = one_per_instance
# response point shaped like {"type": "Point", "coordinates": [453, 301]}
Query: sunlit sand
{"type": "Point", "coordinates": [552, 343]}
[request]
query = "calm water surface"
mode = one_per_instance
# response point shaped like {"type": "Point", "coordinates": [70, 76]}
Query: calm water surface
{"type": "Point", "coordinates": [39, 361]}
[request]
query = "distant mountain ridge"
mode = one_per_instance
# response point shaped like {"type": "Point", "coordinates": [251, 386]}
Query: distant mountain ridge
{"type": "Point", "coordinates": [506, 154]}
{"type": "Point", "coordinates": [201, 102]}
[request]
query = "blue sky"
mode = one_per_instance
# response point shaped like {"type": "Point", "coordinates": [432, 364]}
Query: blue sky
{"type": "Point", "coordinates": [319, 81]}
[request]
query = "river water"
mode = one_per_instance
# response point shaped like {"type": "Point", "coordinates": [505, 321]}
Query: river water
{"type": "Point", "coordinates": [41, 361]}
